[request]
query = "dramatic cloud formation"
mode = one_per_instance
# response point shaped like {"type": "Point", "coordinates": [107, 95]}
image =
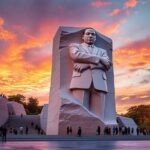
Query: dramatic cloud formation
{"type": "Point", "coordinates": [132, 75]}
{"type": "Point", "coordinates": [27, 29]}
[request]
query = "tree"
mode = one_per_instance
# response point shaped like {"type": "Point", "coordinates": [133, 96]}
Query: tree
{"type": "Point", "coordinates": [32, 105]}
{"type": "Point", "coordinates": [140, 114]}
{"type": "Point", "coordinates": [17, 98]}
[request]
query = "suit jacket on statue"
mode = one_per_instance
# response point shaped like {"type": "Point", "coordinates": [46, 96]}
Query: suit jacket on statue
{"type": "Point", "coordinates": [87, 67]}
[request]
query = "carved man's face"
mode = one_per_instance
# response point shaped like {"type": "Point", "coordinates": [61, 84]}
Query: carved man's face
{"type": "Point", "coordinates": [89, 36]}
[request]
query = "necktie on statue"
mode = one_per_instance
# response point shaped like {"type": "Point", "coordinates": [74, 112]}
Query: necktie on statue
{"type": "Point", "coordinates": [90, 49]}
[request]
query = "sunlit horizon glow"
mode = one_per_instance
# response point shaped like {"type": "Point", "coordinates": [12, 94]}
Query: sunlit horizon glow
{"type": "Point", "coordinates": [27, 29]}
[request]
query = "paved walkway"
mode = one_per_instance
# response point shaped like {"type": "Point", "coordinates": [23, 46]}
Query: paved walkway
{"type": "Point", "coordinates": [15, 122]}
{"type": "Point", "coordinates": [73, 138]}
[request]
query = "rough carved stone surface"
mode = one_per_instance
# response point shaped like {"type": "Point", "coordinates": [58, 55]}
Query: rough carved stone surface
{"type": "Point", "coordinates": [127, 122]}
{"type": "Point", "coordinates": [15, 108]}
{"type": "Point", "coordinates": [43, 117]}
{"type": "Point", "coordinates": [3, 110]}
{"type": "Point", "coordinates": [75, 115]}
{"type": "Point", "coordinates": [64, 110]}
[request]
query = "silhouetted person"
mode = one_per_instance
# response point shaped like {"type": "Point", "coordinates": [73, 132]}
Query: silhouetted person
{"type": "Point", "coordinates": [68, 130]}
{"type": "Point", "coordinates": [98, 130]}
{"type": "Point", "coordinates": [36, 127]}
{"type": "Point", "coordinates": [4, 133]}
{"type": "Point", "coordinates": [39, 130]}
{"type": "Point", "coordinates": [27, 129]}
{"type": "Point", "coordinates": [109, 131]}
{"type": "Point", "coordinates": [42, 132]}
{"type": "Point", "coordinates": [21, 115]}
{"type": "Point", "coordinates": [128, 130]}
{"type": "Point", "coordinates": [79, 131]}
{"type": "Point", "coordinates": [132, 130]}
{"type": "Point", "coordinates": [21, 130]}
{"type": "Point", "coordinates": [32, 124]}
{"type": "Point", "coordinates": [117, 131]}
{"type": "Point", "coordinates": [15, 131]}
{"type": "Point", "coordinates": [137, 131]}
{"type": "Point", "coordinates": [1, 129]}
{"type": "Point", "coordinates": [120, 130]}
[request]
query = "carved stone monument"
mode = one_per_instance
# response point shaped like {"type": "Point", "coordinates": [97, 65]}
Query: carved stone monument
{"type": "Point", "coordinates": [82, 82]}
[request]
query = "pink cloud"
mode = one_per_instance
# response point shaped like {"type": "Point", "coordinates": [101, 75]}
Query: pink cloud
{"type": "Point", "coordinates": [1, 21]}
{"type": "Point", "coordinates": [100, 3]}
{"type": "Point", "coordinates": [130, 3]}
{"type": "Point", "coordinates": [114, 12]}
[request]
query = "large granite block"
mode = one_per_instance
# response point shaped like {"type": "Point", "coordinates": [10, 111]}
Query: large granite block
{"type": "Point", "coordinates": [15, 108]}
{"type": "Point", "coordinates": [43, 117]}
{"type": "Point", "coordinates": [64, 109]}
{"type": "Point", "coordinates": [3, 111]}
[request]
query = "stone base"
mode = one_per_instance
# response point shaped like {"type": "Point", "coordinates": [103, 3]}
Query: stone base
{"type": "Point", "coordinates": [75, 116]}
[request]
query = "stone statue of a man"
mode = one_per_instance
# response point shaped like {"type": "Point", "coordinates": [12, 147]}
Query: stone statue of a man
{"type": "Point", "coordinates": [89, 81]}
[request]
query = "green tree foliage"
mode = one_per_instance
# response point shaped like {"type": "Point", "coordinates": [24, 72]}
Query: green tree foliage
{"type": "Point", "coordinates": [140, 114]}
{"type": "Point", "coordinates": [31, 107]}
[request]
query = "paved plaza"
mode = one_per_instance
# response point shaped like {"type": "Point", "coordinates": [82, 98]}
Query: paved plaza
{"type": "Point", "coordinates": [76, 145]}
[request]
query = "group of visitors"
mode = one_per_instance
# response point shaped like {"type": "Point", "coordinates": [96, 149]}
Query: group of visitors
{"type": "Point", "coordinates": [69, 131]}
{"type": "Point", "coordinates": [22, 130]}
{"type": "Point", "coordinates": [37, 128]}
{"type": "Point", "coordinates": [143, 131]}
{"type": "Point", "coordinates": [113, 131]}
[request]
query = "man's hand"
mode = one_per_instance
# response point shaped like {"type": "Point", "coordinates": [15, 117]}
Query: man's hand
{"type": "Point", "coordinates": [107, 64]}
{"type": "Point", "coordinates": [80, 67]}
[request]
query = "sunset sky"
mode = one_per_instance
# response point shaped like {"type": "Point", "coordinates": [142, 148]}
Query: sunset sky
{"type": "Point", "coordinates": [27, 28]}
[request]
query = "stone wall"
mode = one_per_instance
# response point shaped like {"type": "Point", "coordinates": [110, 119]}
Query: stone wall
{"type": "Point", "coordinates": [127, 122]}
{"type": "Point", "coordinates": [3, 110]}
{"type": "Point", "coordinates": [15, 108]}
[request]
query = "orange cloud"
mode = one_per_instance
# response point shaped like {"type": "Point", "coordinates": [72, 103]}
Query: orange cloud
{"type": "Point", "coordinates": [130, 3]}
{"type": "Point", "coordinates": [18, 74]}
{"type": "Point", "coordinates": [1, 21]}
{"type": "Point", "coordinates": [132, 74]}
{"type": "Point", "coordinates": [113, 28]}
{"type": "Point", "coordinates": [100, 3]}
{"type": "Point", "coordinates": [6, 35]}
{"type": "Point", "coordinates": [26, 79]}
{"type": "Point", "coordinates": [114, 12]}
{"type": "Point", "coordinates": [103, 27]}
{"type": "Point", "coordinates": [138, 54]}
{"type": "Point", "coordinates": [124, 103]}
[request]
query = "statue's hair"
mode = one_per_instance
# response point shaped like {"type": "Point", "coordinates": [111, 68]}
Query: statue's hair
{"type": "Point", "coordinates": [86, 29]}
{"type": "Point", "coordinates": [83, 31]}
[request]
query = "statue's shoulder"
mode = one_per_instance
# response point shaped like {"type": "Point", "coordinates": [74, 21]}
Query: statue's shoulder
{"type": "Point", "coordinates": [74, 45]}
{"type": "Point", "coordinates": [101, 49]}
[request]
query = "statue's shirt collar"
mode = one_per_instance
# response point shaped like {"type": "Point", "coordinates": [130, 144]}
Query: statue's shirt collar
{"type": "Point", "coordinates": [85, 45]}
